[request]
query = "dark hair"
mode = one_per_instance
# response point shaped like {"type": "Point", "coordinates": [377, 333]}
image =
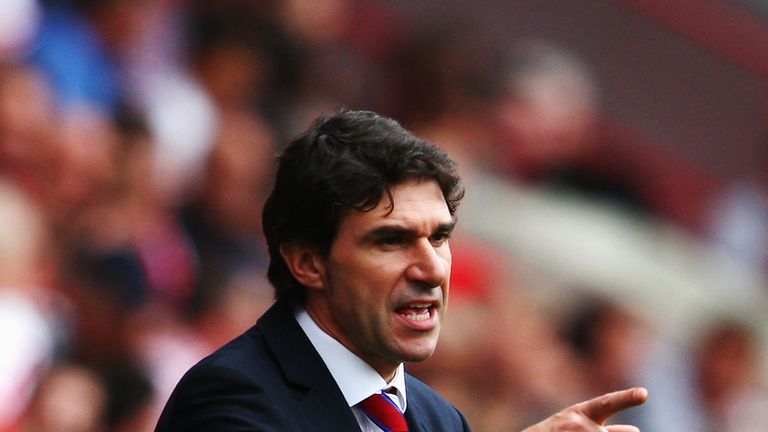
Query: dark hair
{"type": "Point", "coordinates": [346, 161]}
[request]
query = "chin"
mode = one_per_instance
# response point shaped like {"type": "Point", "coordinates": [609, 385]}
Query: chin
{"type": "Point", "coordinates": [418, 354]}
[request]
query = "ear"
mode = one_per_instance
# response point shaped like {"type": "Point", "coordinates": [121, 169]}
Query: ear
{"type": "Point", "coordinates": [305, 263]}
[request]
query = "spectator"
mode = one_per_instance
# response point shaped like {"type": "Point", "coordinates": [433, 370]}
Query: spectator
{"type": "Point", "coordinates": [28, 312]}
{"type": "Point", "coordinates": [70, 398]}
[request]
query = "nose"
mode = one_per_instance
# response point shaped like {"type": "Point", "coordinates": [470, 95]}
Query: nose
{"type": "Point", "coordinates": [430, 266]}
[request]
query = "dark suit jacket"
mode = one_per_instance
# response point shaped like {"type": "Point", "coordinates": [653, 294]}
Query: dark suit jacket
{"type": "Point", "coordinates": [272, 379]}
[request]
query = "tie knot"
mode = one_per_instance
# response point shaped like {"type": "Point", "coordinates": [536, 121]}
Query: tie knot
{"type": "Point", "coordinates": [384, 413]}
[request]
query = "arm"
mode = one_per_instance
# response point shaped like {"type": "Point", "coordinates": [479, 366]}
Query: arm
{"type": "Point", "coordinates": [589, 416]}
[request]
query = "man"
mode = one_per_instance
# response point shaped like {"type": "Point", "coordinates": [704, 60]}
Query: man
{"type": "Point", "coordinates": [357, 226]}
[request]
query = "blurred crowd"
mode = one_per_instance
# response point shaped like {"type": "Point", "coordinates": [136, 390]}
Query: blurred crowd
{"type": "Point", "coordinates": [137, 144]}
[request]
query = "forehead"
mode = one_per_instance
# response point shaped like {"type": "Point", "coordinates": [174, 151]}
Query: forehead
{"type": "Point", "coordinates": [416, 205]}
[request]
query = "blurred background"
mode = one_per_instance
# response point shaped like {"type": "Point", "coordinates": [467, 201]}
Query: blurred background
{"type": "Point", "coordinates": [614, 232]}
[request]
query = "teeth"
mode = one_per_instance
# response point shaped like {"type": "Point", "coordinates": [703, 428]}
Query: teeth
{"type": "Point", "coordinates": [417, 311]}
{"type": "Point", "coordinates": [418, 317]}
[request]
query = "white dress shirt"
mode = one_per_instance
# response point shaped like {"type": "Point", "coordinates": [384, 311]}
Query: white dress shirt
{"type": "Point", "coordinates": [356, 379]}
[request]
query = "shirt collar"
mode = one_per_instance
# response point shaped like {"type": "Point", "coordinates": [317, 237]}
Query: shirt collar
{"type": "Point", "coordinates": [356, 379]}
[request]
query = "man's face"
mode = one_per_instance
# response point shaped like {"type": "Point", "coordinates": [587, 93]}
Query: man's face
{"type": "Point", "coordinates": [385, 280]}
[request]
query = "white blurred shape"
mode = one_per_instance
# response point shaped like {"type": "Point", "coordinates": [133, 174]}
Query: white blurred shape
{"type": "Point", "coordinates": [183, 120]}
{"type": "Point", "coordinates": [19, 21]}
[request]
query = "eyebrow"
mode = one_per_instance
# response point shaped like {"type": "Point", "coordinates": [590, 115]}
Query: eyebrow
{"type": "Point", "coordinates": [401, 231]}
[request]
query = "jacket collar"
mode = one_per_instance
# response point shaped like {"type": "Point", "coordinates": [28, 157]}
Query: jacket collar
{"type": "Point", "coordinates": [415, 422]}
{"type": "Point", "coordinates": [316, 390]}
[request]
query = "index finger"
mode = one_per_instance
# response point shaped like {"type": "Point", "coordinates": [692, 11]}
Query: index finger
{"type": "Point", "coordinates": [601, 408]}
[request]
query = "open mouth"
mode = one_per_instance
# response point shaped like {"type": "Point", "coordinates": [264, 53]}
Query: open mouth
{"type": "Point", "coordinates": [416, 311]}
{"type": "Point", "coordinates": [419, 316]}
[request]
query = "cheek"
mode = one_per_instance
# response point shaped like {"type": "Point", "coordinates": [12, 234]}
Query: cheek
{"type": "Point", "coordinates": [361, 283]}
{"type": "Point", "coordinates": [445, 254]}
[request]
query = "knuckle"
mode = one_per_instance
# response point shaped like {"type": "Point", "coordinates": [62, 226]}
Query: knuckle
{"type": "Point", "coordinates": [605, 402]}
{"type": "Point", "coordinates": [570, 421]}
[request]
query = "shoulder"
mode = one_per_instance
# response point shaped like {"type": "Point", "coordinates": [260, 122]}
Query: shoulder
{"type": "Point", "coordinates": [432, 410]}
{"type": "Point", "coordinates": [236, 386]}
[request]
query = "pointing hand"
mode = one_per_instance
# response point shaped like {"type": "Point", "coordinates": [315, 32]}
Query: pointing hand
{"type": "Point", "coordinates": [589, 416]}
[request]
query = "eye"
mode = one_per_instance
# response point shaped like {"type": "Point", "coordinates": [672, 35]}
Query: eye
{"type": "Point", "coordinates": [439, 239]}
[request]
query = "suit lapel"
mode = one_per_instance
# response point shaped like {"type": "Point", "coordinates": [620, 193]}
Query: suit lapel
{"type": "Point", "coordinates": [415, 422]}
{"type": "Point", "coordinates": [316, 390]}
